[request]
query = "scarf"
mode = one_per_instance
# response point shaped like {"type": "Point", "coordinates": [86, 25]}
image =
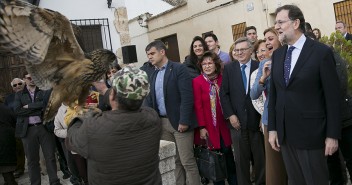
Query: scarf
{"type": "Point", "coordinates": [213, 94]}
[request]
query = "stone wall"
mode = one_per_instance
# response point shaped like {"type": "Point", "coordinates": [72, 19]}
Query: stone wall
{"type": "Point", "coordinates": [167, 153]}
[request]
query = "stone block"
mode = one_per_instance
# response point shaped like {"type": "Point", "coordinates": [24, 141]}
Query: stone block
{"type": "Point", "coordinates": [168, 178]}
{"type": "Point", "coordinates": [167, 149]}
{"type": "Point", "coordinates": [167, 164]}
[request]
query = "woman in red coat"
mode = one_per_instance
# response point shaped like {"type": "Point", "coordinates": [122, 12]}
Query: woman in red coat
{"type": "Point", "coordinates": [212, 124]}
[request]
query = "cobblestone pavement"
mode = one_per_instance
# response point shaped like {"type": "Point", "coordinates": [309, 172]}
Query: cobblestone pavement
{"type": "Point", "coordinates": [24, 179]}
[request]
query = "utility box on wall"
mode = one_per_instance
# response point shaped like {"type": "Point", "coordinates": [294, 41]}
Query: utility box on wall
{"type": "Point", "coordinates": [129, 54]}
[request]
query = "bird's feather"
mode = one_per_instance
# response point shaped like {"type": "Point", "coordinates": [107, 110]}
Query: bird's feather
{"type": "Point", "coordinates": [46, 41]}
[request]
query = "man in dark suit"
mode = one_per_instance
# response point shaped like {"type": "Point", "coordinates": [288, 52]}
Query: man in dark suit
{"type": "Point", "coordinates": [30, 128]}
{"type": "Point", "coordinates": [342, 28]}
{"type": "Point", "coordinates": [304, 101]}
{"type": "Point", "coordinates": [17, 85]}
{"type": "Point", "coordinates": [171, 95]}
{"type": "Point", "coordinates": [237, 106]}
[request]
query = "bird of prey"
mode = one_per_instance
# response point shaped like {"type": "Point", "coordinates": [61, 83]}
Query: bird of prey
{"type": "Point", "coordinates": [45, 40]}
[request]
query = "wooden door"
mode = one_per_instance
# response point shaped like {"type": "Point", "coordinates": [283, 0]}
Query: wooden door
{"type": "Point", "coordinates": [172, 51]}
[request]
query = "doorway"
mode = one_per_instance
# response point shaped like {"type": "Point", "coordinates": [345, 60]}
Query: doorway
{"type": "Point", "coordinates": [171, 44]}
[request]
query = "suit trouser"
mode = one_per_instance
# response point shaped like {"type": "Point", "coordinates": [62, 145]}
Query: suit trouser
{"type": "Point", "coordinates": [275, 171]}
{"type": "Point", "coordinates": [186, 166]}
{"type": "Point", "coordinates": [337, 169]}
{"type": "Point", "coordinates": [36, 137]}
{"type": "Point", "coordinates": [336, 162]}
{"type": "Point", "coordinates": [245, 143]}
{"type": "Point", "coordinates": [346, 147]}
{"type": "Point", "coordinates": [21, 160]}
{"type": "Point", "coordinates": [305, 167]}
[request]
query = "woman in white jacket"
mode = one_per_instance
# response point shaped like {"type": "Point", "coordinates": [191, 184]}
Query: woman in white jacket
{"type": "Point", "coordinates": [60, 131]}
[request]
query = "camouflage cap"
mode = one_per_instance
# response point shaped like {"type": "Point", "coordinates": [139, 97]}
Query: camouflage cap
{"type": "Point", "coordinates": [131, 83]}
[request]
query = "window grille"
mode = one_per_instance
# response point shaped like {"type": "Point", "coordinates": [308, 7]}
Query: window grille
{"type": "Point", "coordinates": [95, 33]}
{"type": "Point", "coordinates": [238, 30]}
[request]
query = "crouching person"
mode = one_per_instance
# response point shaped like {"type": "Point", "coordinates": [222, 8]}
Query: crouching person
{"type": "Point", "coordinates": [121, 145]}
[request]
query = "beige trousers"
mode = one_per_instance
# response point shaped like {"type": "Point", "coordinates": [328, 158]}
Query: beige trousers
{"type": "Point", "coordinates": [186, 166]}
{"type": "Point", "coordinates": [275, 169]}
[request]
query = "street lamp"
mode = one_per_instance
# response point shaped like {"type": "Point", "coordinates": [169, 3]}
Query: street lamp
{"type": "Point", "coordinates": [109, 3]}
{"type": "Point", "coordinates": [140, 22]}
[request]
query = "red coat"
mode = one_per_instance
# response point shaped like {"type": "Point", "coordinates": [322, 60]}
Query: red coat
{"type": "Point", "coordinates": [201, 90]}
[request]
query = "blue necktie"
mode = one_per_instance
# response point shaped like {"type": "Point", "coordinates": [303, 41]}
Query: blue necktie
{"type": "Point", "coordinates": [287, 64]}
{"type": "Point", "coordinates": [244, 77]}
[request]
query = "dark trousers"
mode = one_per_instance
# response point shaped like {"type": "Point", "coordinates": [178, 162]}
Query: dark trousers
{"type": "Point", "coordinates": [334, 161]}
{"type": "Point", "coordinates": [305, 167]}
{"type": "Point", "coordinates": [81, 164]}
{"type": "Point", "coordinates": [337, 169]}
{"type": "Point", "coordinates": [246, 143]}
{"type": "Point", "coordinates": [21, 160]}
{"type": "Point", "coordinates": [346, 148]}
{"type": "Point", "coordinates": [9, 178]}
{"type": "Point", "coordinates": [62, 158]}
{"type": "Point", "coordinates": [36, 137]}
{"type": "Point", "coordinates": [230, 165]}
{"type": "Point", "coordinates": [70, 163]}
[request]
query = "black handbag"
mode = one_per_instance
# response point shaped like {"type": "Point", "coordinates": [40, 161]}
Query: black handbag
{"type": "Point", "coordinates": [211, 164]}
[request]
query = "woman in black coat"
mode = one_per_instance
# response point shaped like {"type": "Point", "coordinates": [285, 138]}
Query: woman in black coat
{"type": "Point", "coordinates": [7, 144]}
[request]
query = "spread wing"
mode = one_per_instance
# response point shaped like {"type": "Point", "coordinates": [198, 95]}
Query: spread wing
{"type": "Point", "coordinates": [44, 38]}
{"type": "Point", "coordinates": [46, 41]}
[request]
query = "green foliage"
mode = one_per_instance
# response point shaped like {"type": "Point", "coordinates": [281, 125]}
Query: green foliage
{"type": "Point", "coordinates": [344, 49]}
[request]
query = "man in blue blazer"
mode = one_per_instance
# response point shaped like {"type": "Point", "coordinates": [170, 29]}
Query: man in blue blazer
{"type": "Point", "coordinates": [171, 95]}
{"type": "Point", "coordinates": [304, 101]}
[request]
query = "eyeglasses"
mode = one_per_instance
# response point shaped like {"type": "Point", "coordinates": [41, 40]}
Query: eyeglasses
{"type": "Point", "coordinates": [280, 22]}
{"type": "Point", "coordinates": [15, 85]}
{"type": "Point", "coordinates": [260, 51]}
{"type": "Point", "coordinates": [28, 78]}
{"type": "Point", "coordinates": [242, 50]}
{"type": "Point", "coordinates": [207, 64]}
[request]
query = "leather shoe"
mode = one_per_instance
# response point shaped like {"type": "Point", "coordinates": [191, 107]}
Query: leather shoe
{"type": "Point", "coordinates": [18, 173]}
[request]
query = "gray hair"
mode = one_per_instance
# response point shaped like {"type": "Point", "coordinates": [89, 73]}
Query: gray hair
{"type": "Point", "coordinates": [243, 39]}
{"type": "Point", "coordinates": [16, 79]}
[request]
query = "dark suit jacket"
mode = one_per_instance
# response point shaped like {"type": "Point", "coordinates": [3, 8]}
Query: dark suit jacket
{"type": "Point", "coordinates": [178, 95]}
{"type": "Point", "coordinates": [34, 109]}
{"type": "Point", "coordinates": [348, 37]}
{"type": "Point", "coordinates": [306, 111]}
{"type": "Point", "coordinates": [234, 99]}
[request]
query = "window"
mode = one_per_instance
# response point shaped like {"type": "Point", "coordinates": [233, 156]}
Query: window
{"type": "Point", "coordinates": [238, 30]}
{"type": "Point", "coordinates": [95, 34]}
